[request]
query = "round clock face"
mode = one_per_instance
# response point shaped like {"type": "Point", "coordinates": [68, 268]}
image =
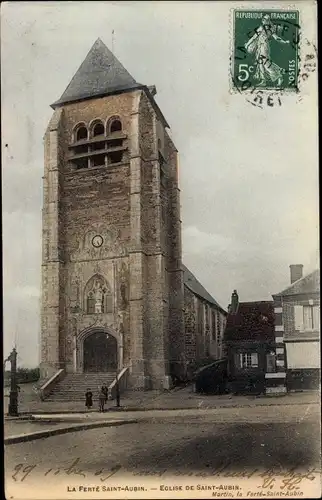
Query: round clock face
{"type": "Point", "coordinates": [97, 241]}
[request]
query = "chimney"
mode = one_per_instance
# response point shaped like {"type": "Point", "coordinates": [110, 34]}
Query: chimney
{"type": "Point", "coordinates": [234, 302]}
{"type": "Point", "coordinates": [296, 272]}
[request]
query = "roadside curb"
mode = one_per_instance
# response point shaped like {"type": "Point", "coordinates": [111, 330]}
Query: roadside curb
{"type": "Point", "coordinates": [64, 430]}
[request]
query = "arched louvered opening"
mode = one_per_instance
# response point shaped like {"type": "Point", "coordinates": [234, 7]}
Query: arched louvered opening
{"type": "Point", "coordinates": [81, 133]}
{"type": "Point", "coordinates": [115, 126]}
{"type": "Point", "coordinates": [98, 129]}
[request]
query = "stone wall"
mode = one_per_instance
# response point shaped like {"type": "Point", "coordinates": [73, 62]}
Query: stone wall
{"type": "Point", "coordinates": [204, 325]}
{"type": "Point", "coordinates": [134, 206]}
{"type": "Point", "coordinates": [139, 260]}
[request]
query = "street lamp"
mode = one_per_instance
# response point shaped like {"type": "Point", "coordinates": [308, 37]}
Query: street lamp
{"type": "Point", "coordinates": [13, 398]}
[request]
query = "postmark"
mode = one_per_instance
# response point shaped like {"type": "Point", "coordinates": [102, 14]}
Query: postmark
{"type": "Point", "coordinates": [265, 50]}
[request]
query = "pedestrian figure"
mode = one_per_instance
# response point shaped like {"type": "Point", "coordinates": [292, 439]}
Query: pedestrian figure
{"type": "Point", "coordinates": [88, 399]}
{"type": "Point", "coordinates": [105, 391]}
{"type": "Point", "coordinates": [101, 399]}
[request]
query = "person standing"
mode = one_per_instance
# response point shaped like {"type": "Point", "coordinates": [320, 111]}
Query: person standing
{"type": "Point", "coordinates": [105, 391]}
{"type": "Point", "coordinates": [88, 399]}
{"type": "Point", "coordinates": [101, 399]}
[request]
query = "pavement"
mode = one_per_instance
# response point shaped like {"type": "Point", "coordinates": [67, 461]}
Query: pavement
{"type": "Point", "coordinates": [33, 430]}
{"type": "Point", "coordinates": [43, 419]}
{"type": "Point", "coordinates": [176, 399]}
{"type": "Point", "coordinates": [171, 447]}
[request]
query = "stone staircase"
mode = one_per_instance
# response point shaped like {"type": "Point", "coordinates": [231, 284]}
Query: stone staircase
{"type": "Point", "coordinates": [74, 385]}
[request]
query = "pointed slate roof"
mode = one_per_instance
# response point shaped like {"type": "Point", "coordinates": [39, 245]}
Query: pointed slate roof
{"type": "Point", "coordinates": [307, 284]}
{"type": "Point", "coordinates": [196, 287]}
{"type": "Point", "coordinates": [100, 73]}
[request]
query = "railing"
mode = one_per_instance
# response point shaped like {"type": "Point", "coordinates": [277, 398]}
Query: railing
{"type": "Point", "coordinates": [122, 380]}
{"type": "Point", "coordinates": [48, 386]}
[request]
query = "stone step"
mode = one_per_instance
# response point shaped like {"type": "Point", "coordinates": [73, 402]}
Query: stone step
{"type": "Point", "coordinates": [74, 386]}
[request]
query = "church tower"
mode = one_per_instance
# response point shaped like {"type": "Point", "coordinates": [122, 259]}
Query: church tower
{"type": "Point", "coordinates": [112, 280]}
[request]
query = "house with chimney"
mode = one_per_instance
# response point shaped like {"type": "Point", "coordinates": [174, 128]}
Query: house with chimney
{"type": "Point", "coordinates": [297, 325]}
{"type": "Point", "coordinates": [252, 347]}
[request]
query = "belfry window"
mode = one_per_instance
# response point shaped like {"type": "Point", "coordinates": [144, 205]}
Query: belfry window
{"type": "Point", "coordinates": [98, 144]}
{"type": "Point", "coordinates": [115, 143]}
{"type": "Point", "coordinates": [98, 129]}
{"type": "Point", "coordinates": [115, 157]}
{"type": "Point", "coordinates": [81, 134]}
{"type": "Point", "coordinates": [116, 126]}
{"type": "Point", "coordinates": [81, 163]}
{"type": "Point", "coordinates": [98, 161]}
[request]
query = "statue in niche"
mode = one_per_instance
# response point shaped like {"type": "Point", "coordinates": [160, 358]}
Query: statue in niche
{"type": "Point", "coordinates": [98, 295]}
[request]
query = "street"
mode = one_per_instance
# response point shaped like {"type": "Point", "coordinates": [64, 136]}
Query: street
{"type": "Point", "coordinates": [165, 444]}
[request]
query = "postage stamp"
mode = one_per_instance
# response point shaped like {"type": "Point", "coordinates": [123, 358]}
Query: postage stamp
{"type": "Point", "coordinates": [265, 49]}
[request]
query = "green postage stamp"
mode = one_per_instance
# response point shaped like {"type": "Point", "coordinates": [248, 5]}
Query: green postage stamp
{"type": "Point", "coordinates": [265, 49]}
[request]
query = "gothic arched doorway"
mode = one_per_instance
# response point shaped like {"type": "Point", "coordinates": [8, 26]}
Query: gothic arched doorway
{"type": "Point", "coordinates": [100, 352]}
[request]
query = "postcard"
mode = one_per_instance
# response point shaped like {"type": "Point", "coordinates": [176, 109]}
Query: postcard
{"type": "Point", "coordinates": [161, 253]}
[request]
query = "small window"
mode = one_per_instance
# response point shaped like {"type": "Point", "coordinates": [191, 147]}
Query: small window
{"type": "Point", "coordinates": [161, 160]}
{"type": "Point", "coordinates": [247, 360]}
{"type": "Point", "coordinates": [311, 317]}
{"type": "Point", "coordinates": [98, 145]}
{"type": "Point", "coordinates": [80, 163]}
{"type": "Point", "coordinates": [116, 126]}
{"type": "Point", "coordinates": [90, 303]}
{"type": "Point", "coordinates": [115, 143]}
{"type": "Point", "coordinates": [98, 161]}
{"type": "Point", "coordinates": [98, 129]}
{"type": "Point", "coordinates": [213, 326]}
{"type": "Point", "coordinates": [307, 318]}
{"type": "Point", "coordinates": [81, 134]}
{"type": "Point", "coordinates": [159, 144]}
{"type": "Point", "coordinates": [78, 150]}
{"type": "Point", "coordinates": [115, 157]}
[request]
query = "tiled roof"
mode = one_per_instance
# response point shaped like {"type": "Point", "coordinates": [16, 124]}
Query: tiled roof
{"type": "Point", "coordinates": [196, 287]}
{"type": "Point", "coordinates": [307, 284]}
{"type": "Point", "coordinates": [252, 321]}
{"type": "Point", "coordinates": [100, 73]}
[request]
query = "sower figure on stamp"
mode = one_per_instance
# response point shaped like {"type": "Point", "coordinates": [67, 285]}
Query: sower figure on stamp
{"type": "Point", "coordinates": [259, 45]}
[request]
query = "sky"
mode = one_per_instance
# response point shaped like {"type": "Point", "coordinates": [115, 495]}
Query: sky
{"type": "Point", "coordinates": [248, 176]}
